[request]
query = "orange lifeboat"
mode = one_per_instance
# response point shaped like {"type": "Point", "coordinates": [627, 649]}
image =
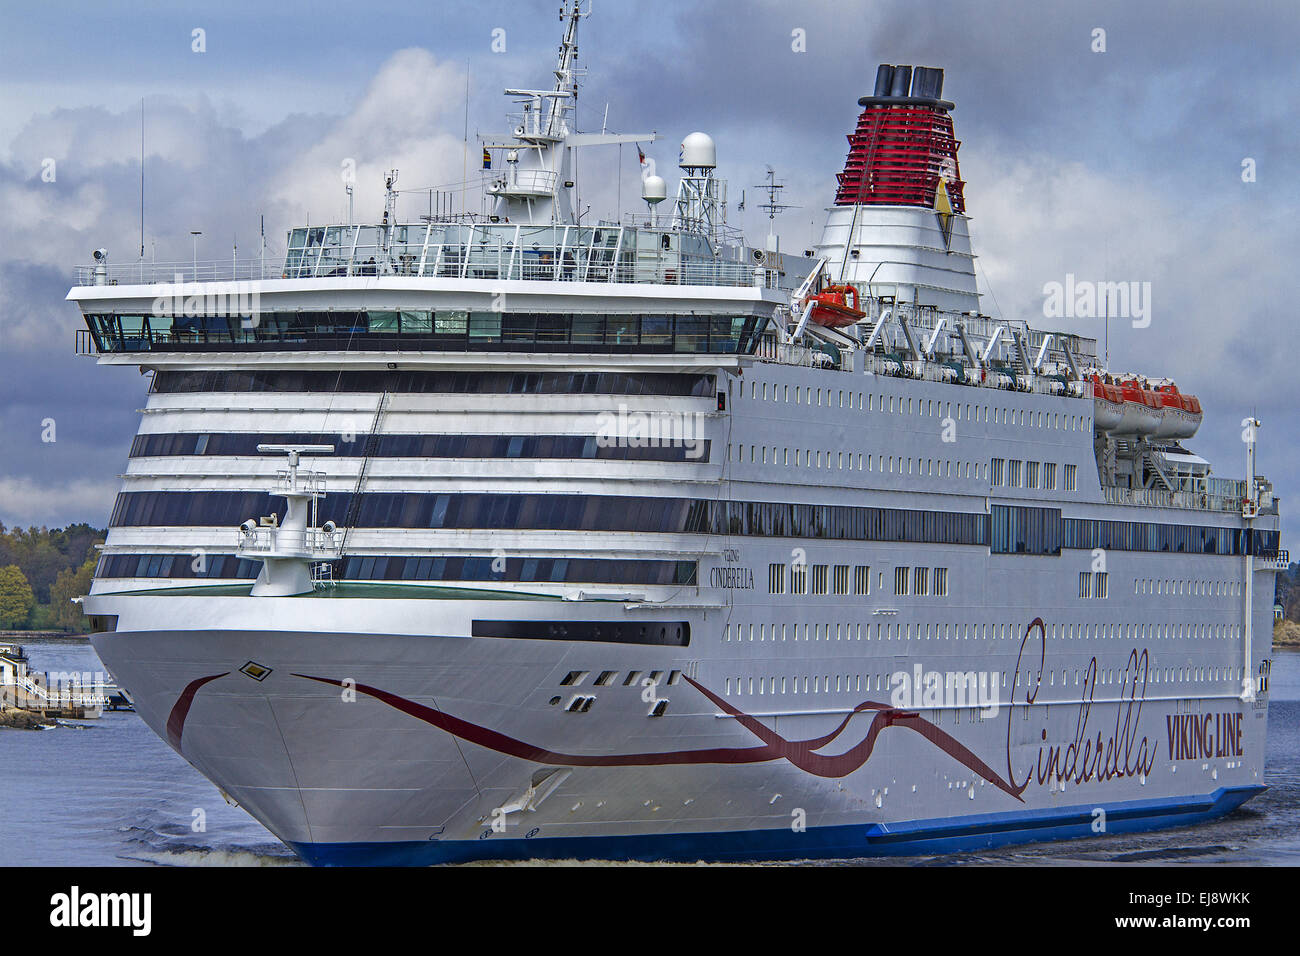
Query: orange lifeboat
{"type": "Point", "coordinates": [1143, 412]}
{"type": "Point", "coordinates": [1181, 413]}
{"type": "Point", "coordinates": [831, 307]}
{"type": "Point", "coordinates": [1108, 405]}
{"type": "Point", "coordinates": [1124, 407]}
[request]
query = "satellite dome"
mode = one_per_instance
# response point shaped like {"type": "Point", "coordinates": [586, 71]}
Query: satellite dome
{"type": "Point", "coordinates": [698, 152]}
{"type": "Point", "coordinates": [654, 189]}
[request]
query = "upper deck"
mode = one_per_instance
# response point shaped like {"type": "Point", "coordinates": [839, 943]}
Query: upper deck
{"type": "Point", "coordinates": [608, 253]}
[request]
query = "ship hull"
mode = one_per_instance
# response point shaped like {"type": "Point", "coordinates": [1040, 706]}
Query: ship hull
{"type": "Point", "coordinates": [938, 836]}
{"type": "Point", "coordinates": [372, 749]}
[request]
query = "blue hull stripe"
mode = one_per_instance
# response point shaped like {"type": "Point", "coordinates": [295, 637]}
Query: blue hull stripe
{"type": "Point", "coordinates": [941, 835]}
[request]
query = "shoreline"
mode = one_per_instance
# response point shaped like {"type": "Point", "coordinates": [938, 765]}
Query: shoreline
{"type": "Point", "coordinates": [19, 637]}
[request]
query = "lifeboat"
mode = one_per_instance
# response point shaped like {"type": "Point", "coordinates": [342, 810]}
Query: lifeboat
{"type": "Point", "coordinates": [1143, 412]}
{"type": "Point", "coordinates": [1108, 405]}
{"type": "Point", "coordinates": [831, 307]}
{"type": "Point", "coordinates": [1126, 407]}
{"type": "Point", "coordinates": [1181, 413]}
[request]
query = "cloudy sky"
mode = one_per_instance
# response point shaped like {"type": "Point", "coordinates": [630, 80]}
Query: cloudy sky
{"type": "Point", "coordinates": [1125, 164]}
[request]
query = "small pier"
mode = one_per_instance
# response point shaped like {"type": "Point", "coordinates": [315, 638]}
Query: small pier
{"type": "Point", "coordinates": [77, 695]}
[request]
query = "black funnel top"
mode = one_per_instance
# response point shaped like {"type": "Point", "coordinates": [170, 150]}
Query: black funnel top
{"type": "Point", "coordinates": [900, 85]}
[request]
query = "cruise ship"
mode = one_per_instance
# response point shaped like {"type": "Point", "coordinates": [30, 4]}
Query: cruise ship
{"type": "Point", "coordinates": [525, 535]}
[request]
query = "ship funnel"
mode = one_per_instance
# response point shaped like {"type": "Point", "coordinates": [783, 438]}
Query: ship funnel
{"type": "Point", "coordinates": [903, 144]}
{"type": "Point", "coordinates": [927, 83]}
{"type": "Point", "coordinates": [884, 79]}
{"type": "Point", "coordinates": [902, 81]}
{"type": "Point", "coordinates": [901, 178]}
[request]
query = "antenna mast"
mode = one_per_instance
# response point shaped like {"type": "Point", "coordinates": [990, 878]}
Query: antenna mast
{"type": "Point", "coordinates": [773, 207]}
{"type": "Point", "coordinates": [142, 179]}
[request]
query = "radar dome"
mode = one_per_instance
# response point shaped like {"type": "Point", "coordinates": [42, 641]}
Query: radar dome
{"type": "Point", "coordinates": [654, 189]}
{"type": "Point", "coordinates": [698, 152]}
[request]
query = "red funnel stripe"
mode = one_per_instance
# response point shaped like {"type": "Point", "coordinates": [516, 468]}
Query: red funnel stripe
{"type": "Point", "coordinates": [896, 155]}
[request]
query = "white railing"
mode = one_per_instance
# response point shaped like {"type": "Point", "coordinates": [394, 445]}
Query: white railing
{"type": "Point", "coordinates": [541, 182]}
{"type": "Point", "coordinates": [770, 350]}
{"type": "Point", "coordinates": [1274, 562]}
{"type": "Point", "coordinates": [479, 250]}
{"type": "Point", "coordinates": [302, 482]}
{"type": "Point", "coordinates": [265, 539]}
{"type": "Point", "coordinates": [1209, 500]}
{"type": "Point", "coordinates": [204, 270]}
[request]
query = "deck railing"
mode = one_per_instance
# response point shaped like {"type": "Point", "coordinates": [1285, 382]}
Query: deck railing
{"type": "Point", "coordinates": [1219, 494]}
{"type": "Point", "coordinates": [499, 251]}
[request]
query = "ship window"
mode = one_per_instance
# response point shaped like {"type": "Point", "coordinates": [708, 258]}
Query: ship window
{"type": "Point", "coordinates": [776, 578]}
{"type": "Point", "coordinates": [941, 582]}
{"type": "Point", "coordinates": [862, 579]}
{"type": "Point", "coordinates": [819, 579]}
{"type": "Point", "coordinates": [900, 580]}
{"type": "Point", "coordinates": [920, 581]}
{"type": "Point", "coordinates": [841, 581]}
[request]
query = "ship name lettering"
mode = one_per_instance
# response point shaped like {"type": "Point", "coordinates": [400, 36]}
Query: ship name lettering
{"type": "Point", "coordinates": [1115, 751]}
{"type": "Point", "coordinates": [740, 579]}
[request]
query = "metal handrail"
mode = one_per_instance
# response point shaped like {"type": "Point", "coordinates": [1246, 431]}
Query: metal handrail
{"type": "Point", "coordinates": [265, 539]}
{"type": "Point", "coordinates": [1190, 500]}
{"type": "Point", "coordinates": [501, 251]}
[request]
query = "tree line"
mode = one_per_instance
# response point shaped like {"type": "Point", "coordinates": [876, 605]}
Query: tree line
{"type": "Point", "coordinates": [41, 570]}
{"type": "Point", "coordinates": [1288, 592]}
